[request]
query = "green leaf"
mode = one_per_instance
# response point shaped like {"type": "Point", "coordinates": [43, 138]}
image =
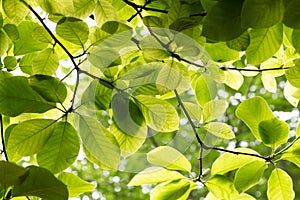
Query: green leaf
{"type": "Point", "coordinates": [262, 13]}
{"type": "Point", "coordinates": [29, 137]}
{"type": "Point", "coordinates": [234, 79]}
{"type": "Point", "coordinates": [48, 87]}
{"type": "Point", "coordinates": [153, 21]}
{"type": "Point", "coordinates": [273, 132]}
{"type": "Point", "coordinates": [170, 158]}
{"type": "Point", "coordinates": [40, 34]}
{"type": "Point", "coordinates": [194, 110]}
{"type": "Point", "coordinates": [129, 142]}
{"type": "Point", "coordinates": [291, 14]}
{"type": "Point", "coordinates": [252, 119]}
{"type": "Point", "coordinates": [10, 62]}
{"type": "Point", "coordinates": [168, 79]}
{"type": "Point", "coordinates": [103, 58]}
{"type": "Point", "coordinates": [220, 130]}
{"type": "Point", "coordinates": [41, 183]}
{"type": "Point", "coordinates": [249, 175]}
{"type": "Point", "coordinates": [220, 52]}
{"type": "Point", "coordinates": [159, 114]}
{"type": "Point", "coordinates": [213, 110]}
{"type": "Point", "coordinates": [154, 175]}
{"type": "Point", "coordinates": [125, 113]}
{"type": "Point", "coordinates": [12, 31]}
{"type": "Point", "coordinates": [242, 196]}
{"type": "Point", "coordinates": [104, 12]}
{"type": "Point", "coordinates": [26, 43]}
{"type": "Point", "coordinates": [11, 174]}
{"type": "Point", "coordinates": [228, 161]}
{"type": "Point", "coordinates": [15, 10]}
{"type": "Point", "coordinates": [83, 8]}
{"type": "Point", "coordinates": [45, 62]}
{"type": "Point", "coordinates": [73, 30]}
{"type": "Point", "coordinates": [205, 89]}
{"type": "Point", "coordinates": [264, 43]}
{"type": "Point", "coordinates": [97, 96]}
{"type": "Point", "coordinates": [57, 7]}
{"type": "Point", "coordinates": [293, 154]}
{"type": "Point", "coordinates": [223, 22]}
{"type": "Point", "coordinates": [95, 139]}
{"type": "Point", "coordinates": [241, 43]}
{"type": "Point", "coordinates": [75, 185]}
{"type": "Point", "coordinates": [288, 92]}
{"type": "Point", "coordinates": [61, 149]}
{"type": "Point", "coordinates": [177, 189]}
{"type": "Point", "coordinates": [280, 186]}
{"type": "Point", "coordinates": [16, 97]}
{"type": "Point", "coordinates": [221, 186]}
{"type": "Point", "coordinates": [4, 43]}
{"type": "Point", "coordinates": [293, 74]}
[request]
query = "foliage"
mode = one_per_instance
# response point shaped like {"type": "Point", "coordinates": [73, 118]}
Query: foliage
{"type": "Point", "coordinates": [185, 94]}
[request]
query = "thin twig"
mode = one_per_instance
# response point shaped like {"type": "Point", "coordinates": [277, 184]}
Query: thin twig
{"type": "Point", "coordinates": [254, 70]}
{"type": "Point", "coordinates": [3, 138]}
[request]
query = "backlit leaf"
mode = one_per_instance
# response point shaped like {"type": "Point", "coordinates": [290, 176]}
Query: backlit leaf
{"type": "Point", "coordinates": [169, 157]}
{"type": "Point", "coordinates": [205, 89]}
{"type": "Point", "coordinates": [213, 110]}
{"type": "Point", "coordinates": [61, 150]}
{"type": "Point", "coordinates": [104, 12]}
{"type": "Point", "coordinates": [280, 186]}
{"type": "Point", "coordinates": [252, 111]}
{"type": "Point", "coordinates": [3, 42]}
{"type": "Point", "coordinates": [75, 185]}
{"type": "Point", "coordinates": [219, 129]}
{"type": "Point", "coordinates": [154, 175]}
{"type": "Point", "coordinates": [159, 115]}
{"type": "Point", "coordinates": [273, 132]}
{"type": "Point", "coordinates": [15, 10]}
{"type": "Point", "coordinates": [221, 186]}
{"type": "Point", "coordinates": [29, 137]}
{"type": "Point", "coordinates": [11, 174]}
{"type": "Point", "coordinates": [293, 154]}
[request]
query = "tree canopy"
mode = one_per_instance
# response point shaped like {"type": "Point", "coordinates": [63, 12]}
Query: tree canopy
{"type": "Point", "coordinates": [159, 99]}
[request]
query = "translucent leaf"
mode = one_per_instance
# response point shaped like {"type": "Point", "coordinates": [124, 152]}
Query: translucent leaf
{"type": "Point", "coordinates": [126, 114]}
{"type": "Point", "coordinates": [223, 22]}
{"type": "Point", "coordinates": [288, 92]}
{"type": "Point", "coordinates": [73, 30]}
{"type": "Point", "coordinates": [269, 82]}
{"type": "Point", "coordinates": [103, 58]}
{"type": "Point", "coordinates": [45, 62]}
{"type": "Point", "coordinates": [242, 196]}
{"type": "Point", "coordinates": [252, 119]}
{"type": "Point", "coordinates": [170, 158]}
{"type": "Point", "coordinates": [40, 34]}
{"type": "Point", "coordinates": [205, 89]}
{"type": "Point", "coordinates": [104, 12]}
{"type": "Point", "coordinates": [264, 43]}
{"type": "Point", "coordinates": [97, 96]}
{"type": "Point", "coordinates": [75, 185]}
{"type": "Point", "coordinates": [61, 150]}
{"type": "Point", "coordinates": [12, 31]}
{"type": "Point", "coordinates": [96, 141]}
{"type": "Point", "coordinates": [4, 43]}
{"type": "Point", "coordinates": [177, 189]}
{"type": "Point", "coordinates": [16, 97]}
{"type": "Point", "coordinates": [57, 7]}
{"type": "Point", "coordinates": [221, 186]}
{"type": "Point", "coordinates": [41, 183]}
{"type": "Point", "coordinates": [293, 153]}
{"type": "Point", "coordinates": [83, 8]}
{"type": "Point", "coordinates": [241, 43]}
{"type": "Point", "coordinates": [154, 175]}
{"type": "Point", "coordinates": [29, 137]}
{"type": "Point", "coordinates": [10, 62]}
{"type": "Point", "coordinates": [15, 10]}
{"type": "Point", "coordinates": [48, 87]}
{"type": "Point", "coordinates": [262, 14]}
{"type": "Point", "coordinates": [159, 114]}
{"type": "Point", "coordinates": [26, 43]}
{"type": "Point", "coordinates": [249, 175]}
{"type": "Point", "coordinates": [228, 161]}
{"type": "Point", "coordinates": [168, 79]}
{"type": "Point", "coordinates": [194, 110]}
{"type": "Point", "coordinates": [11, 174]}
{"type": "Point", "coordinates": [129, 142]}
{"type": "Point", "coordinates": [250, 73]}
{"type": "Point", "coordinates": [293, 74]}
{"type": "Point", "coordinates": [234, 79]}
{"type": "Point", "coordinates": [220, 52]}
{"type": "Point", "coordinates": [280, 186]}
{"type": "Point", "coordinates": [291, 14]}
{"type": "Point", "coordinates": [273, 132]}
{"type": "Point", "coordinates": [219, 129]}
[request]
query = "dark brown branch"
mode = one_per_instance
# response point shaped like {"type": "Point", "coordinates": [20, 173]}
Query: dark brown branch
{"type": "Point", "coordinates": [3, 138]}
{"type": "Point", "coordinates": [253, 70]}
